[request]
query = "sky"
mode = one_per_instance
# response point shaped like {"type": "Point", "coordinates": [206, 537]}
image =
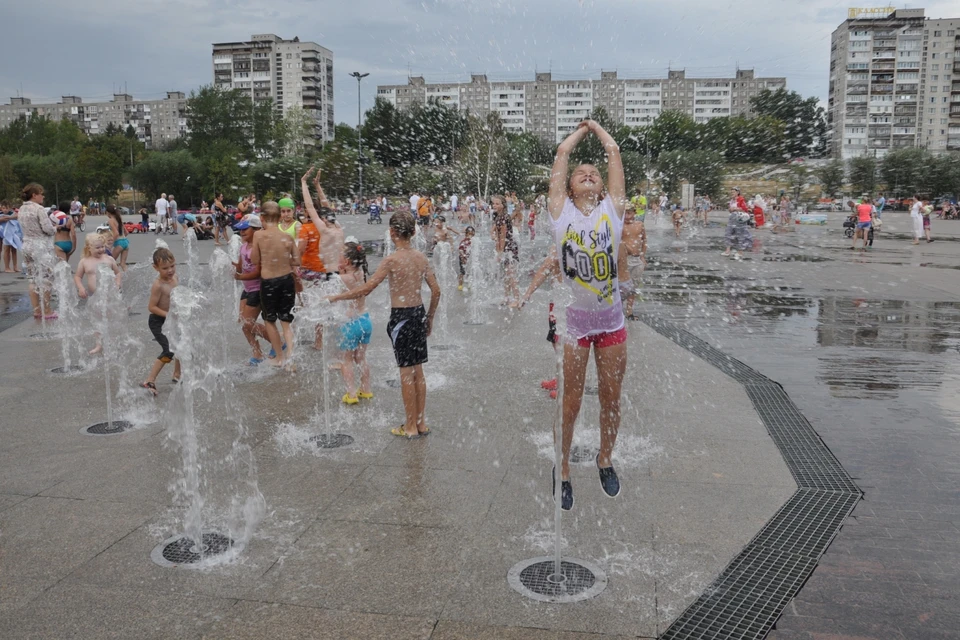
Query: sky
{"type": "Point", "coordinates": [94, 48]}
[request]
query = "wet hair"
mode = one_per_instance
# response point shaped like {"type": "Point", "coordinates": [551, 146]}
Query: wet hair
{"type": "Point", "coordinates": [270, 212]}
{"type": "Point", "coordinates": [89, 240]}
{"type": "Point", "coordinates": [404, 224]}
{"type": "Point", "coordinates": [603, 187]}
{"type": "Point", "coordinates": [357, 256]}
{"type": "Point", "coordinates": [469, 230]}
{"type": "Point", "coordinates": [113, 213]}
{"type": "Point", "coordinates": [63, 206]}
{"type": "Point", "coordinates": [441, 219]}
{"type": "Point", "coordinates": [31, 190]}
{"type": "Point", "coordinates": [163, 256]}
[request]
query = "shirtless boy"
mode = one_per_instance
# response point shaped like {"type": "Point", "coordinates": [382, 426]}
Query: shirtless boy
{"type": "Point", "coordinates": [275, 253]}
{"type": "Point", "coordinates": [409, 327]}
{"type": "Point", "coordinates": [159, 306]}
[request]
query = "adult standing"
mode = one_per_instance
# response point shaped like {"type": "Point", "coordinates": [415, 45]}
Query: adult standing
{"type": "Point", "coordinates": [454, 201]}
{"type": "Point", "coordinates": [38, 234]}
{"type": "Point", "coordinates": [160, 206]}
{"type": "Point", "coordinates": [737, 234]}
{"type": "Point", "coordinates": [916, 218]}
{"type": "Point", "coordinates": [881, 203]}
{"type": "Point", "coordinates": [414, 201]}
{"type": "Point", "coordinates": [76, 210]}
{"type": "Point", "coordinates": [173, 213]}
{"type": "Point", "coordinates": [220, 220]}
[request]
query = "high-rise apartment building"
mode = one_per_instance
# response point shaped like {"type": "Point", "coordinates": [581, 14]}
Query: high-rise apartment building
{"type": "Point", "coordinates": [289, 72]}
{"type": "Point", "coordinates": [894, 83]}
{"type": "Point", "coordinates": [156, 122]}
{"type": "Point", "coordinates": [552, 108]}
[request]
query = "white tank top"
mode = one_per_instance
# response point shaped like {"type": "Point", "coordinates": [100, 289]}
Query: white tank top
{"type": "Point", "coordinates": [587, 246]}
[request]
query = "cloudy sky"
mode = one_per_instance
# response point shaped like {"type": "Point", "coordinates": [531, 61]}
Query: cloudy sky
{"type": "Point", "coordinates": [60, 47]}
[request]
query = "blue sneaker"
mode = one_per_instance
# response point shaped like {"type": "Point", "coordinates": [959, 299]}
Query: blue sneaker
{"type": "Point", "coordinates": [566, 492]}
{"type": "Point", "coordinates": [609, 480]}
{"type": "Point", "coordinates": [273, 352]}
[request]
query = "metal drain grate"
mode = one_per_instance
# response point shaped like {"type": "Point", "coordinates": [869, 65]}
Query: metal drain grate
{"type": "Point", "coordinates": [591, 391]}
{"type": "Point", "coordinates": [746, 599]}
{"type": "Point", "coordinates": [535, 578]}
{"type": "Point", "coordinates": [474, 324]}
{"type": "Point", "coordinates": [182, 550]}
{"type": "Point", "coordinates": [579, 455]}
{"type": "Point", "coordinates": [393, 383]}
{"type": "Point", "coordinates": [44, 335]}
{"type": "Point", "coordinates": [332, 440]}
{"type": "Point", "coordinates": [107, 428]}
{"type": "Point", "coordinates": [66, 371]}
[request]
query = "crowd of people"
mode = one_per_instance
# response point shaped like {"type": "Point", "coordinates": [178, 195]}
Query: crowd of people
{"type": "Point", "coordinates": [598, 252]}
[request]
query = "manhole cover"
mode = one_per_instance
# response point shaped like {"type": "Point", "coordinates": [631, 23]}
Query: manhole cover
{"type": "Point", "coordinates": [578, 581]}
{"type": "Point", "coordinates": [474, 324]}
{"type": "Point", "coordinates": [181, 550]}
{"type": "Point", "coordinates": [107, 428]}
{"type": "Point", "coordinates": [444, 347]}
{"type": "Point", "coordinates": [590, 391]}
{"type": "Point", "coordinates": [583, 454]}
{"type": "Point", "coordinates": [393, 383]}
{"type": "Point", "coordinates": [66, 371]}
{"type": "Point", "coordinates": [332, 440]}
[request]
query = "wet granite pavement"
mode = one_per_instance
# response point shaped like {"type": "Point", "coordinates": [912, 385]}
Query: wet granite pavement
{"type": "Point", "coordinates": [867, 346]}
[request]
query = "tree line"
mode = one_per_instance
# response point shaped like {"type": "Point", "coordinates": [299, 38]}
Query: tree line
{"type": "Point", "coordinates": [901, 173]}
{"type": "Point", "coordinates": [236, 146]}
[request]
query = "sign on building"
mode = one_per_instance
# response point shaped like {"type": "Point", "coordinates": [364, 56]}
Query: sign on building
{"type": "Point", "coordinates": [869, 12]}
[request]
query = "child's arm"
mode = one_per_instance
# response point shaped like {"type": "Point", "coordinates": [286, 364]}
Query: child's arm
{"type": "Point", "coordinates": [549, 267]}
{"type": "Point", "coordinates": [252, 275]}
{"type": "Point", "coordinates": [558, 178]}
{"type": "Point", "coordinates": [431, 279]}
{"type": "Point", "coordinates": [255, 251]}
{"type": "Point", "coordinates": [117, 273]}
{"type": "Point", "coordinates": [294, 254]}
{"type": "Point", "coordinates": [153, 306]}
{"type": "Point", "coordinates": [367, 288]}
{"type": "Point", "coordinates": [78, 279]}
{"type": "Point", "coordinates": [616, 182]}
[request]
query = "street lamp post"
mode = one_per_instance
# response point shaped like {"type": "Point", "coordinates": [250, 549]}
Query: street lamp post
{"type": "Point", "coordinates": [359, 76]}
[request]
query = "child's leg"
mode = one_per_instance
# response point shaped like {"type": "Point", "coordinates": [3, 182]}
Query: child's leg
{"type": "Point", "coordinates": [287, 330]}
{"type": "Point", "coordinates": [360, 358]}
{"type": "Point", "coordinates": [346, 370]}
{"type": "Point", "coordinates": [611, 364]}
{"type": "Point", "coordinates": [157, 368]}
{"type": "Point", "coordinates": [98, 347]}
{"type": "Point", "coordinates": [176, 369]}
{"type": "Point", "coordinates": [318, 338]}
{"type": "Point", "coordinates": [575, 360]}
{"type": "Point", "coordinates": [251, 330]}
{"type": "Point", "coordinates": [273, 335]}
{"type": "Point", "coordinates": [408, 389]}
{"type": "Point", "coordinates": [421, 399]}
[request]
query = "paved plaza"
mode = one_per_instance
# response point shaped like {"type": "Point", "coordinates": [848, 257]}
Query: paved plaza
{"type": "Point", "coordinates": [395, 539]}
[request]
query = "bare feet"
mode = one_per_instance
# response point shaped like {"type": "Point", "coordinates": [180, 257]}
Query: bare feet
{"type": "Point", "coordinates": [275, 362]}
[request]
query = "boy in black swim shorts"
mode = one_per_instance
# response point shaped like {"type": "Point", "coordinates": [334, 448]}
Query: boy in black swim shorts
{"type": "Point", "coordinates": [159, 305]}
{"type": "Point", "coordinates": [410, 324]}
{"type": "Point", "coordinates": [276, 254]}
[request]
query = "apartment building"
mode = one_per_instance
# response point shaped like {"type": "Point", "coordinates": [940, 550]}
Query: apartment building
{"type": "Point", "coordinates": [289, 72]}
{"type": "Point", "coordinates": [551, 108]}
{"type": "Point", "coordinates": [155, 121]}
{"type": "Point", "coordinates": [894, 83]}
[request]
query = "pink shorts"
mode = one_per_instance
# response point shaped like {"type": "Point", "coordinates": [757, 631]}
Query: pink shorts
{"type": "Point", "coordinates": [604, 340]}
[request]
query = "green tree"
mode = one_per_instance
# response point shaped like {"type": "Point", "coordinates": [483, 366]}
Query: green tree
{"type": "Point", "coordinates": [830, 176]}
{"type": "Point", "coordinates": [99, 172]}
{"type": "Point", "coordinates": [268, 134]}
{"type": "Point", "coordinates": [421, 179]}
{"type": "Point", "coordinates": [863, 174]}
{"type": "Point", "coordinates": [221, 117]}
{"type": "Point", "coordinates": [338, 164]}
{"type": "Point", "coordinates": [905, 171]}
{"type": "Point", "coordinates": [704, 169]}
{"type": "Point", "coordinates": [384, 132]}
{"type": "Point", "coordinates": [222, 170]}
{"type": "Point", "coordinates": [479, 159]}
{"type": "Point", "coordinates": [804, 120]}
{"type": "Point", "coordinates": [672, 131]}
{"type": "Point", "coordinates": [300, 130]}
{"type": "Point", "coordinates": [9, 185]}
{"type": "Point", "coordinates": [176, 171]}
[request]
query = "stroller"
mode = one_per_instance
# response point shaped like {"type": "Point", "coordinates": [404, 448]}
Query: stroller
{"type": "Point", "coordinates": [374, 214]}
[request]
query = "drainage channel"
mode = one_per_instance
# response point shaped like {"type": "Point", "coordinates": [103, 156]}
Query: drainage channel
{"type": "Point", "coordinates": [747, 598]}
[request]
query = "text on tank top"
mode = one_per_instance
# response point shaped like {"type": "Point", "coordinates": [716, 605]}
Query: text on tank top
{"type": "Point", "coordinates": [587, 246]}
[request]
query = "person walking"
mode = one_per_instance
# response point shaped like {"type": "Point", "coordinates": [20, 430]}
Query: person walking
{"type": "Point", "coordinates": [160, 207]}
{"type": "Point", "coordinates": [38, 255]}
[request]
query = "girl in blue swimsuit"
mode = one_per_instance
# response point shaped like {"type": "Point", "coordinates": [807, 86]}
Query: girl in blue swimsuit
{"type": "Point", "coordinates": [121, 245]}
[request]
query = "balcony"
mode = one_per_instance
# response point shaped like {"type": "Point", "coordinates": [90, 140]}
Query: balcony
{"type": "Point", "coordinates": [883, 66]}
{"type": "Point", "coordinates": [907, 88]}
{"type": "Point", "coordinates": [953, 143]}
